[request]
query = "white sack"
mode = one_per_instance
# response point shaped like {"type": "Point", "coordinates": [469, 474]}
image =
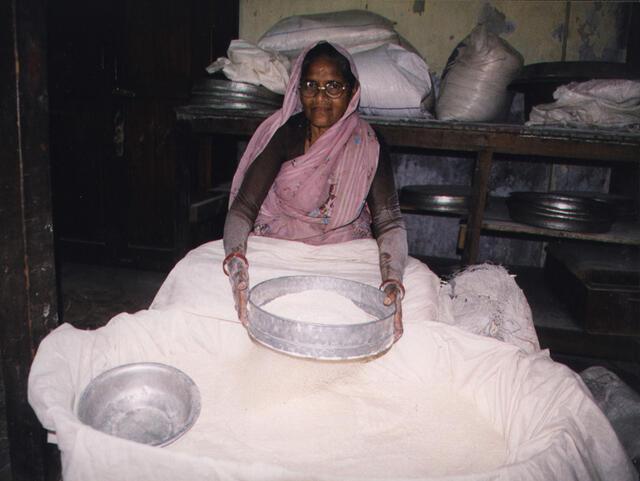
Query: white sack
{"type": "Point", "coordinates": [355, 30]}
{"type": "Point", "coordinates": [474, 82]}
{"type": "Point", "coordinates": [486, 300]}
{"type": "Point", "coordinates": [250, 64]}
{"type": "Point", "coordinates": [395, 82]}
{"type": "Point", "coordinates": [611, 103]}
{"type": "Point", "coordinates": [553, 428]}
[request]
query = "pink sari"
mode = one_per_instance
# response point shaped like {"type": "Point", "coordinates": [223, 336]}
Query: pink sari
{"type": "Point", "coordinates": [318, 197]}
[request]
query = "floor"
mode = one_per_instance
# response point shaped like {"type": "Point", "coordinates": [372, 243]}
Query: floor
{"type": "Point", "coordinates": [91, 295]}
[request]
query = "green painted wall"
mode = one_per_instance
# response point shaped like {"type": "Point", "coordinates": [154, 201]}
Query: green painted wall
{"type": "Point", "coordinates": [595, 30]}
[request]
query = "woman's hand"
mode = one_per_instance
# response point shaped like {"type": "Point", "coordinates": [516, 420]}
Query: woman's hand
{"type": "Point", "coordinates": [237, 268]}
{"type": "Point", "coordinates": [394, 293]}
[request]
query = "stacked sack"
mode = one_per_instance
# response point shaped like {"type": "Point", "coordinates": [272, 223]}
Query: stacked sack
{"type": "Point", "coordinates": [474, 83]}
{"type": "Point", "coordinates": [395, 79]}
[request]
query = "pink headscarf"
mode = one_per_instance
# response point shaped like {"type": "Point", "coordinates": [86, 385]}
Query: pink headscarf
{"type": "Point", "coordinates": [318, 197]}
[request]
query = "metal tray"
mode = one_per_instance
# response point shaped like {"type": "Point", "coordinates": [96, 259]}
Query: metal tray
{"type": "Point", "coordinates": [321, 341]}
{"type": "Point", "coordinates": [217, 96]}
{"type": "Point", "coordinates": [624, 206]}
{"type": "Point", "coordinates": [561, 211]}
{"type": "Point", "coordinates": [226, 101]}
{"type": "Point", "coordinates": [453, 199]}
{"type": "Point", "coordinates": [146, 402]}
{"type": "Point", "coordinates": [572, 214]}
{"type": "Point", "coordinates": [234, 105]}
{"type": "Point", "coordinates": [556, 222]}
{"type": "Point", "coordinates": [227, 90]}
{"type": "Point", "coordinates": [569, 204]}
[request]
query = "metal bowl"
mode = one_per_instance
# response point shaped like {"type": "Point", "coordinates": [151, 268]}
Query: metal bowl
{"type": "Point", "coordinates": [321, 341]}
{"type": "Point", "coordinates": [147, 402]}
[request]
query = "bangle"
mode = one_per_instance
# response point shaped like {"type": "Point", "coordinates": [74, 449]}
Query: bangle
{"type": "Point", "coordinates": [231, 256]}
{"type": "Point", "coordinates": [396, 282]}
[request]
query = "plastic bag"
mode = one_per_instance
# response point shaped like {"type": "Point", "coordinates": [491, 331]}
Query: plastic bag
{"type": "Point", "coordinates": [474, 83]}
{"type": "Point", "coordinates": [355, 30]}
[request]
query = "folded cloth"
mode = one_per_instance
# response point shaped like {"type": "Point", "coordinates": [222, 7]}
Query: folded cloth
{"type": "Point", "coordinates": [250, 64]}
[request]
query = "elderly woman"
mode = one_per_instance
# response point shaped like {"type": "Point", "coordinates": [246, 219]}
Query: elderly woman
{"type": "Point", "coordinates": [314, 172]}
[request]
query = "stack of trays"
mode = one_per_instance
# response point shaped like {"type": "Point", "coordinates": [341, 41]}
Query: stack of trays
{"type": "Point", "coordinates": [452, 199]}
{"type": "Point", "coordinates": [227, 95]}
{"type": "Point", "coordinates": [553, 210]}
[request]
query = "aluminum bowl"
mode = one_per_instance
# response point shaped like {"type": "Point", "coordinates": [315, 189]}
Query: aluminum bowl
{"type": "Point", "coordinates": [146, 402]}
{"type": "Point", "coordinates": [321, 341]}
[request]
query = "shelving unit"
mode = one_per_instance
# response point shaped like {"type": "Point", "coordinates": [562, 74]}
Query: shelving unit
{"type": "Point", "coordinates": [497, 219]}
{"type": "Point", "coordinates": [557, 329]}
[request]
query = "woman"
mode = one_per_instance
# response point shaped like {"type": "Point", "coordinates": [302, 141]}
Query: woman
{"type": "Point", "coordinates": [316, 176]}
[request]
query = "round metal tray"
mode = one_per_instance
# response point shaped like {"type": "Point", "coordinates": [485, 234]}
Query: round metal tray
{"type": "Point", "coordinates": [624, 206]}
{"type": "Point", "coordinates": [230, 94]}
{"type": "Point", "coordinates": [229, 87]}
{"type": "Point", "coordinates": [521, 212]}
{"type": "Point", "coordinates": [232, 102]}
{"type": "Point", "coordinates": [452, 199]}
{"type": "Point", "coordinates": [321, 341]}
{"type": "Point", "coordinates": [146, 402]}
{"type": "Point", "coordinates": [565, 203]}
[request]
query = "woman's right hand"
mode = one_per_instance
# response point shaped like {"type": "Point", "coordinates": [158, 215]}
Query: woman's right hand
{"type": "Point", "coordinates": [238, 270]}
{"type": "Point", "coordinates": [394, 293]}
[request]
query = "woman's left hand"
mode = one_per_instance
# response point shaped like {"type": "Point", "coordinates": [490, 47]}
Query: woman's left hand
{"type": "Point", "coordinates": [394, 292]}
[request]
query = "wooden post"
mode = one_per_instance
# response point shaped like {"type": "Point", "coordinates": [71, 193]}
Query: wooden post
{"type": "Point", "coordinates": [28, 295]}
{"type": "Point", "coordinates": [478, 202]}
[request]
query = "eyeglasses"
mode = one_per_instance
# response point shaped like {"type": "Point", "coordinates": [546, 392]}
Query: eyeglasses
{"type": "Point", "coordinates": [333, 89]}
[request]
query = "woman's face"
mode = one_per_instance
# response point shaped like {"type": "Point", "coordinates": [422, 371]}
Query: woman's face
{"type": "Point", "coordinates": [321, 110]}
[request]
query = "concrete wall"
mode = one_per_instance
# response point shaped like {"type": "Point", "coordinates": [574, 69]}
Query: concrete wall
{"type": "Point", "coordinates": [434, 27]}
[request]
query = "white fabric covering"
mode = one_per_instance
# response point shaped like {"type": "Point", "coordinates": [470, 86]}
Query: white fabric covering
{"type": "Point", "coordinates": [554, 430]}
{"type": "Point", "coordinates": [486, 300]}
{"type": "Point", "coordinates": [395, 80]}
{"type": "Point", "coordinates": [251, 64]}
{"type": "Point", "coordinates": [605, 103]}
{"type": "Point", "coordinates": [355, 30]}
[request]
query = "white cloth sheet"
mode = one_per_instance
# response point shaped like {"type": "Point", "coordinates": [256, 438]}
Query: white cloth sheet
{"type": "Point", "coordinates": [597, 103]}
{"type": "Point", "coordinates": [552, 427]}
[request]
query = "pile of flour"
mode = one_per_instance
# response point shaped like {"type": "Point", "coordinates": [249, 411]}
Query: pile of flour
{"type": "Point", "coordinates": [340, 420]}
{"type": "Point", "coordinates": [319, 306]}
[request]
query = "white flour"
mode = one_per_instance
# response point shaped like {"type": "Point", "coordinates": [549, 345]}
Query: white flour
{"type": "Point", "coordinates": [337, 419]}
{"type": "Point", "coordinates": [318, 305]}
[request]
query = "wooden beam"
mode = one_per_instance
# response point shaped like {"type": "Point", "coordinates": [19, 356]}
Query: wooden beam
{"type": "Point", "coordinates": [28, 295]}
{"type": "Point", "coordinates": [478, 202]}
{"type": "Point", "coordinates": [599, 146]}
